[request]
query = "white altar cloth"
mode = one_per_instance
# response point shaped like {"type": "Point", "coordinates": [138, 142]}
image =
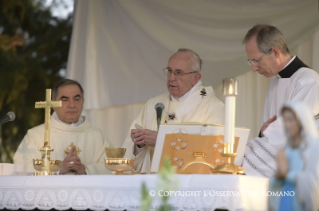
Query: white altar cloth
{"type": "Point", "coordinates": [122, 192]}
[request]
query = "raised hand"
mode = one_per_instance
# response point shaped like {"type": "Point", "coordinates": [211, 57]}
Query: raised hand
{"type": "Point", "coordinates": [266, 124]}
{"type": "Point", "coordinates": [282, 165]}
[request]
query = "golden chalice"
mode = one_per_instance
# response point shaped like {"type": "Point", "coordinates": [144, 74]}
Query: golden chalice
{"type": "Point", "coordinates": [55, 165]}
{"type": "Point", "coordinates": [113, 152]}
{"type": "Point", "coordinates": [115, 161]}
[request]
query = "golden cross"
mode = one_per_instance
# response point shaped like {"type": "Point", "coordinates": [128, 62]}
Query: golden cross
{"type": "Point", "coordinates": [47, 104]}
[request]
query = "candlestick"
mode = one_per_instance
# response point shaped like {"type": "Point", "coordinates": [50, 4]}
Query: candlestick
{"type": "Point", "coordinates": [230, 92]}
{"type": "Point", "coordinates": [230, 105]}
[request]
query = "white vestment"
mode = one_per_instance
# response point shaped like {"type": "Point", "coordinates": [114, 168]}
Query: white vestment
{"type": "Point", "coordinates": [89, 141]}
{"type": "Point", "coordinates": [303, 86]}
{"type": "Point", "coordinates": [200, 106]}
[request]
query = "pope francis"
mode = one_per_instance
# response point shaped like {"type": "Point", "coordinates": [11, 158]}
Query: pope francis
{"type": "Point", "coordinates": [187, 100]}
{"type": "Point", "coordinates": [78, 144]}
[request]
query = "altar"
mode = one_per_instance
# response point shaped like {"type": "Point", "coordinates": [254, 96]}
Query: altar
{"type": "Point", "coordinates": [123, 192]}
{"type": "Point", "coordinates": [46, 190]}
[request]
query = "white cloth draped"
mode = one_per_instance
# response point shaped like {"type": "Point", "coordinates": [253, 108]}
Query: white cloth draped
{"type": "Point", "coordinates": [119, 49]}
{"type": "Point", "coordinates": [109, 192]}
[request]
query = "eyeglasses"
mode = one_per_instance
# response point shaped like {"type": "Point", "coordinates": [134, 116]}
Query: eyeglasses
{"type": "Point", "coordinates": [254, 62]}
{"type": "Point", "coordinates": [178, 73]}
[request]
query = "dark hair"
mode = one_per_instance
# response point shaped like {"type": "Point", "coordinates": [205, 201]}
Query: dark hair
{"type": "Point", "coordinates": [65, 82]}
{"type": "Point", "coordinates": [267, 37]}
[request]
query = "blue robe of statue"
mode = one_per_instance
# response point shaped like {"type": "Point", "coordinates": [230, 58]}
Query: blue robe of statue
{"type": "Point", "coordinates": [289, 183]}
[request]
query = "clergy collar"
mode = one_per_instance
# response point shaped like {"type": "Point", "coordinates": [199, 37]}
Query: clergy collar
{"type": "Point", "coordinates": [55, 116]}
{"type": "Point", "coordinates": [187, 93]}
{"type": "Point", "coordinates": [293, 65]}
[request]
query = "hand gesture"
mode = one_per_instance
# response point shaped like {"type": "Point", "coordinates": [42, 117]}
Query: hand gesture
{"type": "Point", "coordinates": [282, 165]}
{"type": "Point", "coordinates": [144, 137]}
{"type": "Point", "coordinates": [72, 163]}
{"type": "Point", "coordinates": [266, 124]}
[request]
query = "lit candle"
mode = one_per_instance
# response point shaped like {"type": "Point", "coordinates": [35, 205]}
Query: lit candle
{"type": "Point", "coordinates": [230, 92]}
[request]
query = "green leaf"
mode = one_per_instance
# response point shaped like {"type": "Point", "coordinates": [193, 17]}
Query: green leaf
{"type": "Point", "coordinates": [32, 53]}
{"type": "Point", "coordinates": [146, 200]}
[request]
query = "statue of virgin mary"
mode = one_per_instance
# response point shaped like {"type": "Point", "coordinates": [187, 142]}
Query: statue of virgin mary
{"type": "Point", "coordinates": [298, 163]}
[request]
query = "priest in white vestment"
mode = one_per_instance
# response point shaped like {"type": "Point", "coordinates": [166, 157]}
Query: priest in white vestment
{"type": "Point", "coordinates": [187, 100]}
{"type": "Point", "coordinates": [75, 141]}
{"type": "Point", "coordinates": [269, 55]}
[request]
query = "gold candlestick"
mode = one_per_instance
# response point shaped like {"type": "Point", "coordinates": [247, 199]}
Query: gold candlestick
{"type": "Point", "coordinates": [230, 91]}
{"type": "Point", "coordinates": [229, 167]}
{"type": "Point", "coordinates": [46, 150]}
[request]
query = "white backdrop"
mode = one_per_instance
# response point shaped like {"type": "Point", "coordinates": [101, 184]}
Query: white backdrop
{"type": "Point", "coordinates": [119, 48]}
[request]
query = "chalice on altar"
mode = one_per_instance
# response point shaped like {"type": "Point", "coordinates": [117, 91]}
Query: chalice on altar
{"type": "Point", "coordinates": [55, 165]}
{"type": "Point", "coordinates": [115, 161]}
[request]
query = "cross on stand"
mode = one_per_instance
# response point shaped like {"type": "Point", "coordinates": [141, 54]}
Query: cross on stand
{"type": "Point", "coordinates": [46, 150]}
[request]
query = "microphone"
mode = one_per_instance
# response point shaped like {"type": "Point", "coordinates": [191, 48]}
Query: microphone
{"type": "Point", "coordinates": [9, 117]}
{"type": "Point", "coordinates": [159, 107]}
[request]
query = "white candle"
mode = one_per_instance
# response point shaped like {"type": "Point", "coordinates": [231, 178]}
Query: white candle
{"type": "Point", "coordinates": [230, 105]}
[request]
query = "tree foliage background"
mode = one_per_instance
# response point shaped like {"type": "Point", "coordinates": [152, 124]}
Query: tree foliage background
{"type": "Point", "coordinates": [34, 47]}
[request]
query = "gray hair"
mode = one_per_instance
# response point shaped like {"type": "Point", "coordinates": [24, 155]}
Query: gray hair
{"type": "Point", "coordinates": [267, 38]}
{"type": "Point", "coordinates": [196, 61]}
{"type": "Point", "coordinates": [65, 82]}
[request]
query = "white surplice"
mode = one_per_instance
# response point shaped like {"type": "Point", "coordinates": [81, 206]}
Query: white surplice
{"type": "Point", "coordinates": [260, 154]}
{"type": "Point", "coordinates": [89, 141]}
{"type": "Point", "coordinates": [199, 106]}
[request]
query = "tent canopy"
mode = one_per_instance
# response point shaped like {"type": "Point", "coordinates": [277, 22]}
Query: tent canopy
{"type": "Point", "coordinates": [120, 47]}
